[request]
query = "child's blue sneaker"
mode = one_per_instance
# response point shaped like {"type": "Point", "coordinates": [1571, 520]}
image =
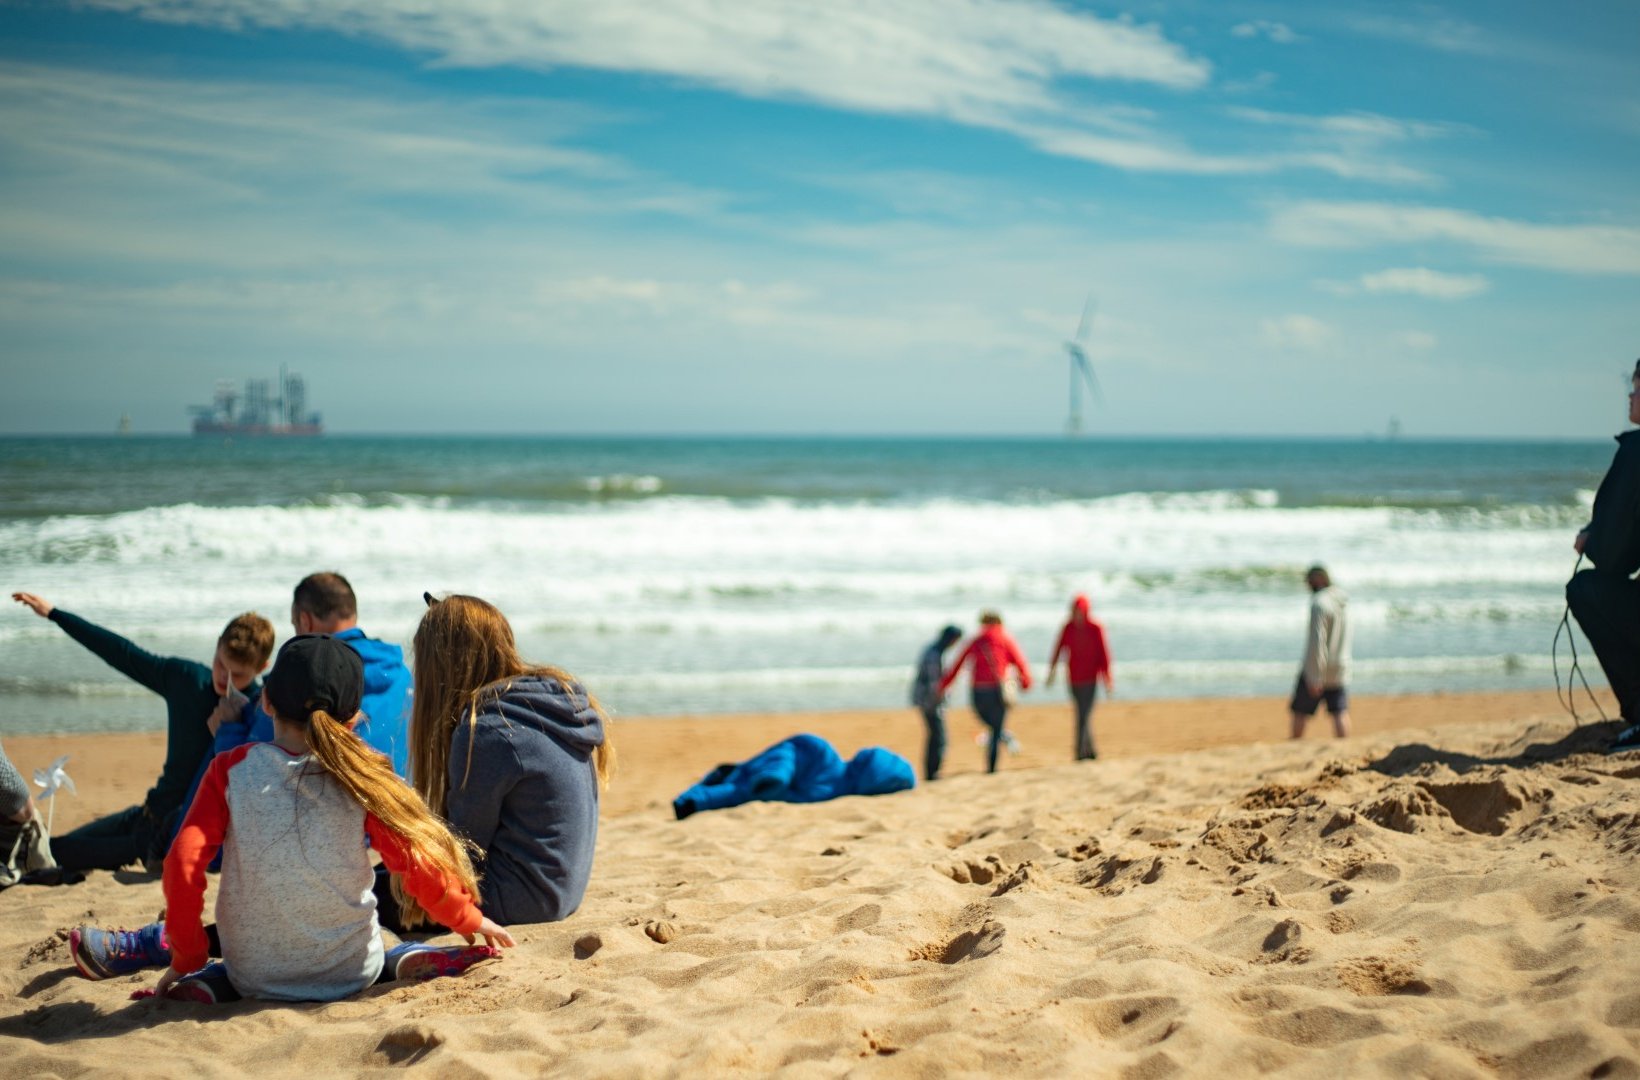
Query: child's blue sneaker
{"type": "Point", "coordinates": [103, 954]}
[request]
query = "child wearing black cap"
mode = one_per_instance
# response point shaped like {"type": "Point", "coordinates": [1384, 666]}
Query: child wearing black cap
{"type": "Point", "coordinates": [295, 908]}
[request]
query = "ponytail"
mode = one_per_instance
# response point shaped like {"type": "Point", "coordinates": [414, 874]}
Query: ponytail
{"type": "Point", "coordinates": [370, 779]}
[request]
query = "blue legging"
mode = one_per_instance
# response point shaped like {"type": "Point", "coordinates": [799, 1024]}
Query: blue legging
{"type": "Point", "coordinates": [213, 977]}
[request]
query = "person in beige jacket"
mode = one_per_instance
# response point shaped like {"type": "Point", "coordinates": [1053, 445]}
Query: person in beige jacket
{"type": "Point", "coordinates": [1326, 657]}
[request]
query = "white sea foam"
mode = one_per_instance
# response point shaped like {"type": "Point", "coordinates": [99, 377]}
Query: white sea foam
{"type": "Point", "coordinates": [657, 593]}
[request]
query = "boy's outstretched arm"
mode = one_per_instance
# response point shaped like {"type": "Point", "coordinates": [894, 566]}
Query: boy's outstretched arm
{"type": "Point", "coordinates": [135, 663]}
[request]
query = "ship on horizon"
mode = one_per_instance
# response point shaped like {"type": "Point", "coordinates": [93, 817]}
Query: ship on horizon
{"type": "Point", "coordinates": [258, 411]}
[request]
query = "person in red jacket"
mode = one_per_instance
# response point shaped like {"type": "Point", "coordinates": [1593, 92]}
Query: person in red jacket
{"type": "Point", "coordinates": [1087, 661]}
{"type": "Point", "coordinates": [989, 656]}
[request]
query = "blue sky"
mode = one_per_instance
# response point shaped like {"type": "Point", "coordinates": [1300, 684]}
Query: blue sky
{"type": "Point", "coordinates": [708, 216]}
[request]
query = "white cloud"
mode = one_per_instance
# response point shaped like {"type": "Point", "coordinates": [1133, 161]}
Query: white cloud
{"type": "Point", "coordinates": [1304, 332]}
{"type": "Point", "coordinates": [1278, 32]}
{"type": "Point", "coordinates": [1583, 249]}
{"type": "Point", "coordinates": [1421, 281]}
{"type": "Point", "coordinates": [1411, 281]}
{"type": "Point", "coordinates": [1007, 65]}
{"type": "Point", "coordinates": [1440, 32]}
{"type": "Point", "coordinates": [1364, 126]}
{"type": "Point", "coordinates": [1417, 340]}
{"type": "Point", "coordinates": [955, 58]}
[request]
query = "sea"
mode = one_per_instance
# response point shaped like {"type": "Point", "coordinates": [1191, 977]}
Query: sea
{"type": "Point", "coordinates": [734, 575]}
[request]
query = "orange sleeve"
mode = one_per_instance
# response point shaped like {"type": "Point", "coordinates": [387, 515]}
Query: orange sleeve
{"type": "Point", "coordinates": [196, 844]}
{"type": "Point", "coordinates": [446, 901]}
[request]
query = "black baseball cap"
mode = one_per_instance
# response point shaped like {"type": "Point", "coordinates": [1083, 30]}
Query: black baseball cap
{"type": "Point", "coordinates": [315, 671]}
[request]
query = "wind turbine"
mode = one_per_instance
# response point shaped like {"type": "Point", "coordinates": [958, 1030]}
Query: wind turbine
{"type": "Point", "coordinates": [1081, 370]}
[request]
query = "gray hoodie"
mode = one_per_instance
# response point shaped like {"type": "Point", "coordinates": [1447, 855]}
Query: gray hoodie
{"type": "Point", "coordinates": [530, 801]}
{"type": "Point", "coordinates": [1327, 645]}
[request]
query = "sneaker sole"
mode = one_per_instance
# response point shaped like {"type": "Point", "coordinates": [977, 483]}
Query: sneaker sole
{"type": "Point", "coordinates": [75, 939]}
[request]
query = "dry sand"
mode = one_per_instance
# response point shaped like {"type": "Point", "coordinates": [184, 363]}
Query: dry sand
{"type": "Point", "coordinates": [1452, 892]}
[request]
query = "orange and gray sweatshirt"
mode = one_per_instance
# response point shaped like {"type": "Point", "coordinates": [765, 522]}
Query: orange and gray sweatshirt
{"type": "Point", "coordinates": [294, 906]}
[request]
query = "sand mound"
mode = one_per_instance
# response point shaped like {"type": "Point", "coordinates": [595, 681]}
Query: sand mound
{"type": "Point", "coordinates": [1461, 905]}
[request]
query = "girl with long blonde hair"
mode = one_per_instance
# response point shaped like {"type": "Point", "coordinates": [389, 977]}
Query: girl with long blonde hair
{"type": "Point", "coordinates": [296, 914]}
{"type": "Point", "coordinates": [512, 754]}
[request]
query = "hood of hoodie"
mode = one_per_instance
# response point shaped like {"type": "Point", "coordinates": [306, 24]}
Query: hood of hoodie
{"type": "Point", "coordinates": [875, 771]}
{"type": "Point", "coordinates": [548, 705]}
{"type": "Point", "coordinates": [1332, 597]}
{"type": "Point", "coordinates": [1080, 607]}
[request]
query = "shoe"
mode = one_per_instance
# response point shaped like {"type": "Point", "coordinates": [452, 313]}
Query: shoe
{"type": "Point", "coordinates": [1627, 739]}
{"type": "Point", "coordinates": [103, 954]}
{"type": "Point", "coordinates": [418, 962]}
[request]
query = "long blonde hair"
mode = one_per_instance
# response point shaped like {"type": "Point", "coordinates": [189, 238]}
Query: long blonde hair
{"type": "Point", "coordinates": [369, 778]}
{"type": "Point", "coordinates": [466, 656]}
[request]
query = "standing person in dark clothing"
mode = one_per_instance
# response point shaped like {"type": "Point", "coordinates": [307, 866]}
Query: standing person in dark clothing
{"type": "Point", "coordinates": [930, 702]}
{"type": "Point", "coordinates": [1606, 599]}
{"type": "Point", "coordinates": [195, 695]}
{"type": "Point", "coordinates": [1087, 660]}
{"type": "Point", "coordinates": [992, 652]}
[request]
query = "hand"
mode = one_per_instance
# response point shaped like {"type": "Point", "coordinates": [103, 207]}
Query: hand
{"type": "Point", "coordinates": [1582, 539]}
{"type": "Point", "coordinates": [227, 710]}
{"type": "Point", "coordinates": [494, 936]}
{"type": "Point", "coordinates": [34, 603]}
{"type": "Point", "coordinates": [1049, 680]}
{"type": "Point", "coordinates": [1314, 688]}
{"type": "Point", "coordinates": [166, 978]}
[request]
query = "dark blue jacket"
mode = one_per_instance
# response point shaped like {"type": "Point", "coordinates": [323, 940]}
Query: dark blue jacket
{"type": "Point", "coordinates": [802, 769]}
{"type": "Point", "coordinates": [530, 798]}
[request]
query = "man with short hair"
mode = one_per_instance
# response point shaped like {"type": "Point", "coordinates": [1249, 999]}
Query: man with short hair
{"type": "Point", "coordinates": [1606, 599]}
{"type": "Point", "coordinates": [1326, 657]}
{"type": "Point", "coordinates": [193, 694]}
{"type": "Point", "coordinates": [324, 603]}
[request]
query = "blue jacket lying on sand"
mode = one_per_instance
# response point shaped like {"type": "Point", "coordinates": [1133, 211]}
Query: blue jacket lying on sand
{"type": "Point", "coordinates": [802, 769]}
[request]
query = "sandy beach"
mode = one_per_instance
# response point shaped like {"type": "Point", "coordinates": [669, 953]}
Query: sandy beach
{"type": "Point", "coordinates": [1451, 892]}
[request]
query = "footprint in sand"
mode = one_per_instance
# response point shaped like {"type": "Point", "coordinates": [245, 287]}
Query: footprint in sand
{"type": "Point", "coordinates": [968, 945]}
{"type": "Point", "coordinates": [409, 1044]}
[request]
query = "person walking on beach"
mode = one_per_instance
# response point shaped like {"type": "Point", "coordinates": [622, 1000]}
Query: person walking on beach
{"type": "Point", "coordinates": [930, 702]}
{"type": "Point", "coordinates": [989, 657]}
{"type": "Point", "coordinates": [1087, 661]}
{"type": "Point", "coordinates": [193, 693]}
{"type": "Point", "coordinates": [1326, 657]}
{"type": "Point", "coordinates": [1606, 598]}
{"type": "Point", "coordinates": [296, 916]}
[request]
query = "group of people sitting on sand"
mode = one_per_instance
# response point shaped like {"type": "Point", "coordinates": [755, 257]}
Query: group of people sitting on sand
{"type": "Point", "coordinates": [992, 657]}
{"type": "Point", "coordinates": [289, 781]}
